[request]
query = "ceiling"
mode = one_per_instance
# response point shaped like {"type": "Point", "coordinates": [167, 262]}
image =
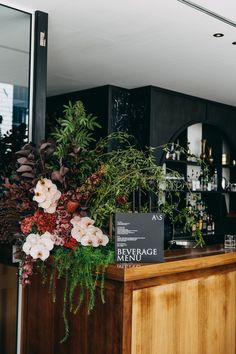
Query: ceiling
{"type": "Point", "coordinates": [132, 43]}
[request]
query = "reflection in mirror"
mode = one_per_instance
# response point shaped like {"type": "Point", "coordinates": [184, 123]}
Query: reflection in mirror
{"type": "Point", "coordinates": [15, 36]}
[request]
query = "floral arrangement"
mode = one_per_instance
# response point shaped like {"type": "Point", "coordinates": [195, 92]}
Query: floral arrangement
{"type": "Point", "coordinates": [59, 201]}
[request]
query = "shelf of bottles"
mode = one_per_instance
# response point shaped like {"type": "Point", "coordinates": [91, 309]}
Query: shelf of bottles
{"type": "Point", "coordinates": [208, 165]}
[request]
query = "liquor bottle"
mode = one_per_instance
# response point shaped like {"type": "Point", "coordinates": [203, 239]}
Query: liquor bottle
{"type": "Point", "coordinates": [209, 225]}
{"type": "Point", "coordinates": [201, 180]}
{"type": "Point", "coordinates": [200, 222]}
{"type": "Point", "coordinates": [189, 154]}
{"type": "Point", "coordinates": [193, 182]}
{"type": "Point", "coordinates": [197, 182]}
{"type": "Point", "coordinates": [215, 180]}
{"type": "Point", "coordinates": [209, 187]}
{"type": "Point", "coordinates": [205, 182]}
{"type": "Point", "coordinates": [204, 223]}
{"type": "Point", "coordinates": [213, 227]}
{"type": "Point", "coordinates": [210, 158]}
{"type": "Point", "coordinates": [203, 149]}
{"type": "Point", "coordinates": [177, 151]}
{"type": "Point", "coordinates": [189, 182]}
{"type": "Point", "coordinates": [172, 152]}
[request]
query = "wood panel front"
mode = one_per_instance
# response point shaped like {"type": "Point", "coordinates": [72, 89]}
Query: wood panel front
{"type": "Point", "coordinates": [99, 332]}
{"type": "Point", "coordinates": [195, 316]}
{"type": "Point", "coordinates": [8, 309]}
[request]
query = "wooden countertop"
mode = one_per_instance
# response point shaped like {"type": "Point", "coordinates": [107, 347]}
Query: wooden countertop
{"type": "Point", "coordinates": [175, 261]}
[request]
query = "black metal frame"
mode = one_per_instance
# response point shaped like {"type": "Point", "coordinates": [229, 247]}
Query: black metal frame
{"type": "Point", "coordinates": [40, 76]}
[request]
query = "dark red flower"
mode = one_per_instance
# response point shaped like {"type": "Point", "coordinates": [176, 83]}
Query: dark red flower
{"type": "Point", "coordinates": [71, 243]}
{"type": "Point", "coordinates": [27, 224]}
{"type": "Point", "coordinates": [71, 206]}
{"type": "Point", "coordinates": [45, 221]}
{"type": "Point", "coordinates": [121, 199]}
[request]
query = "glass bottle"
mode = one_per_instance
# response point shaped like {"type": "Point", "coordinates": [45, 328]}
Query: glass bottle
{"type": "Point", "coordinates": [189, 154]}
{"type": "Point", "coordinates": [204, 223]}
{"type": "Point", "coordinates": [172, 152]}
{"type": "Point", "coordinates": [209, 225]}
{"type": "Point", "coordinates": [177, 151]}
{"type": "Point", "coordinates": [210, 158]}
{"type": "Point", "coordinates": [215, 180]}
{"type": "Point", "coordinates": [203, 149]}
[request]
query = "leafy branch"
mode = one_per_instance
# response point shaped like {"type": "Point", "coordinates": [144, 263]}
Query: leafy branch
{"type": "Point", "coordinates": [75, 129]}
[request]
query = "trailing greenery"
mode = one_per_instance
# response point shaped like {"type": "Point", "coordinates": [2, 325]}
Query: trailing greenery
{"type": "Point", "coordinates": [82, 268]}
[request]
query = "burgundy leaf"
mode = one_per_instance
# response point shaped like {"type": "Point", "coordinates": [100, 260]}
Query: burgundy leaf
{"type": "Point", "coordinates": [27, 147]}
{"type": "Point", "coordinates": [72, 154]}
{"type": "Point", "coordinates": [56, 176]}
{"type": "Point", "coordinates": [23, 152]}
{"type": "Point", "coordinates": [44, 146]}
{"type": "Point", "coordinates": [22, 160]}
{"type": "Point", "coordinates": [28, 175]}
{"type": "Point", "coordinates": [63, 170]}
{"type": "Point", "coordinates": [24, 168]}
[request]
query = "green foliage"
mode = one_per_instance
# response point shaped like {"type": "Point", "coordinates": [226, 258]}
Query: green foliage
{"type": "Point", "coordinates": [199, 239]}
{"type": "Point", "coordinates": [82, 268]}
{"type": "Point", "coordinates": [126, 170]}
{"type": "Point", "coordinates": [75, 129]}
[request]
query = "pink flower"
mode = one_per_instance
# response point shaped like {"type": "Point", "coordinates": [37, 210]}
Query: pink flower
{"type": "Point", "coordinates": [27, 224]}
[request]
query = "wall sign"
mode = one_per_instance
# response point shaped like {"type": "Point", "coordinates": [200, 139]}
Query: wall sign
{"type": "Point", "coordinates": [139, 237]}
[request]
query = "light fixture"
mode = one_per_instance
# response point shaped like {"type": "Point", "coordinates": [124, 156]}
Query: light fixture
{"type": "Point", "coordinates": [218, 35]}
{"type": "Point", "coordinates": [208, 12]}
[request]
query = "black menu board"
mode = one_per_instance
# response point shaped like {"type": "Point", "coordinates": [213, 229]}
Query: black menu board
{"type": "Point", "coordinates": [139, 237]}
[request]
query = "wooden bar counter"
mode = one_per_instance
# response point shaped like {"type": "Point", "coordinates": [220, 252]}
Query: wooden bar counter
{"type": "Point", "coordinates": [186, 305]}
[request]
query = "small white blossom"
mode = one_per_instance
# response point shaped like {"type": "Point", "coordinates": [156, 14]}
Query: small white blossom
{"type": "Point", "coordinates": [77, 233]}
{"type": "Point", "coordinates": [103, 241]}
{"type": "Point", "coordinates": [38, 246]}
{"type": "Point", "coordinates": [39, 251]}
{"type": "Point", "coordinates": [46, 240]}
{"type": "Point", "coordinates": [89, 240]}
{"type": "Point", "coordinates": [86, 233]}
{"type": "Point", "coordinates": [46, 195]}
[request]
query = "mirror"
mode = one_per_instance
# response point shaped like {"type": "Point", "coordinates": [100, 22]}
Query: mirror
{"type": "Point", "coordinates": [15, 38]}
